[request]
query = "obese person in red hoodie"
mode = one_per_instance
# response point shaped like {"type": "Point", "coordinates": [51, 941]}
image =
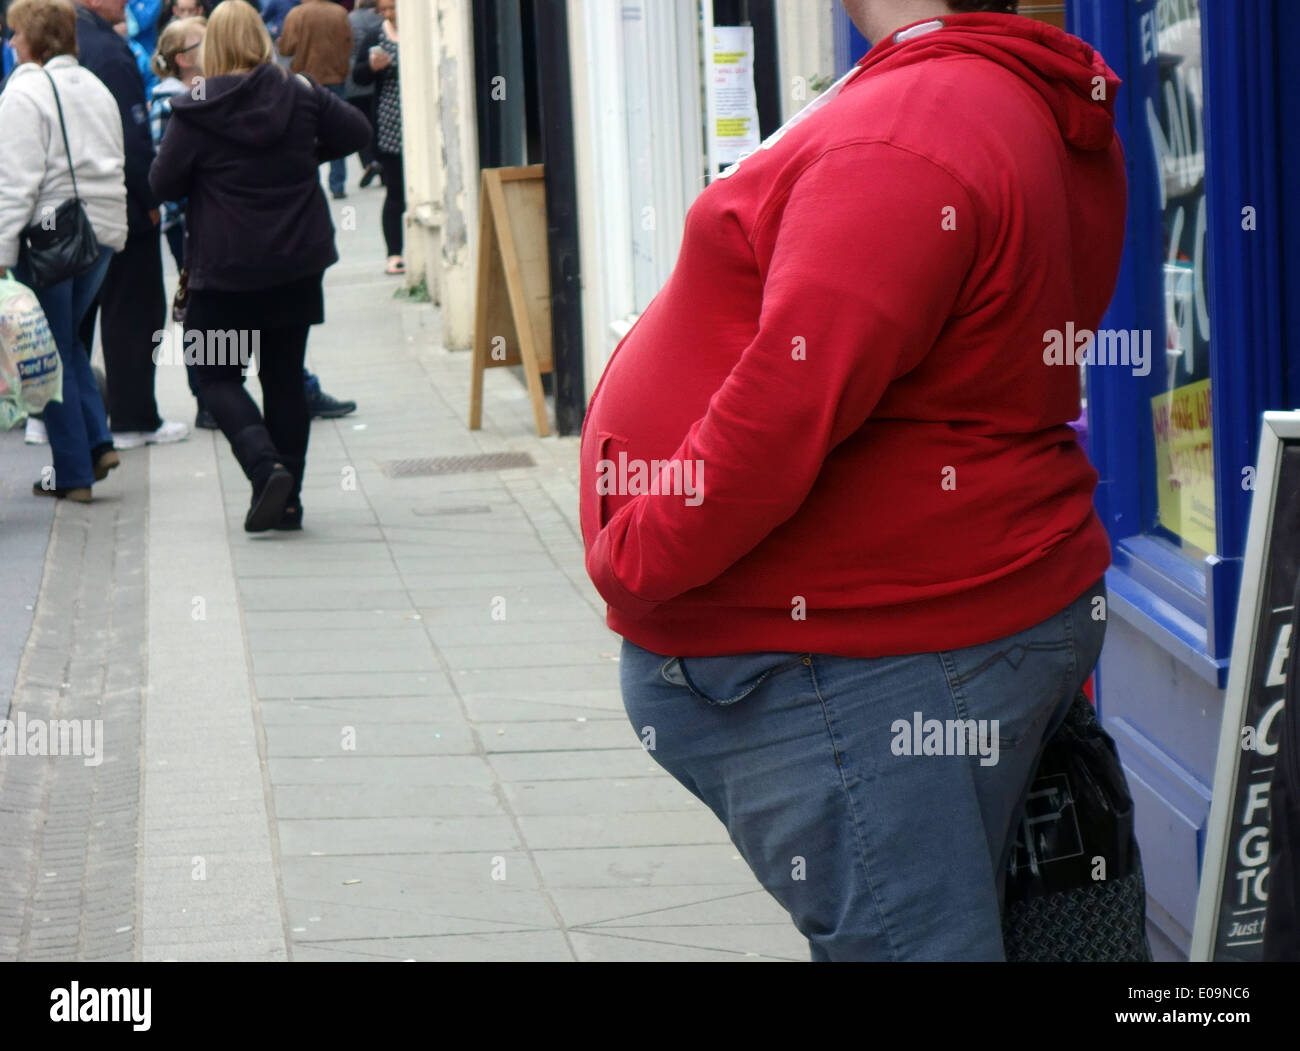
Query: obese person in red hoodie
{"type": "Point", "coordinates": [829, 488]}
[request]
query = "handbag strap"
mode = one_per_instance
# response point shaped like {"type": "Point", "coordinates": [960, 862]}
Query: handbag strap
{"type": "Point", "coordinates": [63, 128]}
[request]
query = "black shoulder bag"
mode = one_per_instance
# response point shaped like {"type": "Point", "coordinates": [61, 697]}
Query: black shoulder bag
{"type": "Point", "coordinates": [63, 244]}
{"type": "Point", "coordinates": [1075, 892]}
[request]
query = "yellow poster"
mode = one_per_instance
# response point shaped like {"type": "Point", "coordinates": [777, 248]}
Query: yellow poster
{"type": "Point", "coordinates": [1185, 463]}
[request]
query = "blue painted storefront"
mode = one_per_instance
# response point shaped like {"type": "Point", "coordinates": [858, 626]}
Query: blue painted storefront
{"type": "Point", "coordinates": [1205, 271]}
{"type": "Point", "coordinates": [1210, 119]}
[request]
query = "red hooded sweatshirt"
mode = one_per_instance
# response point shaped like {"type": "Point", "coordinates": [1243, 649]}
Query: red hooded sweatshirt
{"type": "Point", "coordinates": [862, 448]}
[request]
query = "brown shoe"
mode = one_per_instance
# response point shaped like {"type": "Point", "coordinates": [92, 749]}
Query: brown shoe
{"type": "Point", "coordinates": [80, 495]}
{"type": "Point", "coordinates": [106, 463]}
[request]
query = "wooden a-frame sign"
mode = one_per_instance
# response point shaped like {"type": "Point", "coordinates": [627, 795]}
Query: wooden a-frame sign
{"type": "Point", "coordinates": [512, 308]}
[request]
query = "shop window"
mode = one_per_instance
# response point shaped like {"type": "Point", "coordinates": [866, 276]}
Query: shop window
{"type": "Point", "coordinates": [1180, 395]}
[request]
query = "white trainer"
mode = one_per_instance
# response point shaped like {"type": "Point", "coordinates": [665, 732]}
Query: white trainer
{"type": "Point", "coordinates": [35, 433]}
{"type": "Point", "coordinates": [169, 431]}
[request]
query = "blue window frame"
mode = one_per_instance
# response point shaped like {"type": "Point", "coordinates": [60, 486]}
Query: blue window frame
{"type": "Point", "coordinates": [1185, 600]}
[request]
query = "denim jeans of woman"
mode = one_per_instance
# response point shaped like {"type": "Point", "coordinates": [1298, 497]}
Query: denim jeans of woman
{"type": "Point", "coordinates": [79, 423]}
{"type": "Point", "coordinates": [881, 842]}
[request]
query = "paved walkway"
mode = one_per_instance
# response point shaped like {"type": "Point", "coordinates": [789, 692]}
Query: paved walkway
{"type": "Point", "coordinates": [397, 735]}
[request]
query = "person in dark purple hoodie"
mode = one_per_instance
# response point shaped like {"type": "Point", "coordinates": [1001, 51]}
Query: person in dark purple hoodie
{"type": "Point", "coordinates": [246, 151]}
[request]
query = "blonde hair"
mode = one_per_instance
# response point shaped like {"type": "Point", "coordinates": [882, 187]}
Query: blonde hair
{"type": "Point", "coordinates": [236, 40]}
{"type": "Point", "coordinates": [50, 27]}
{"type": "Point", "coordinates": [179, 34]}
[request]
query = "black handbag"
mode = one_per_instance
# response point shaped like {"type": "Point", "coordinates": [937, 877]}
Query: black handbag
{"type": "Point", "coordinates": [1074, 890]}
{"type": "Point", "coordinates": [61, 245]}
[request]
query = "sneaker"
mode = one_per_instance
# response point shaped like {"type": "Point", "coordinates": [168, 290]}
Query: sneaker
{"type": "Point", "coordinates": [327, 408]}
{"type": "Point", "coordinates": [205, 421]}
{"type": "Point", "coordinates": [340, 195]}
{"type": "Point", "coordinates": [35, 434]}
{"type": "Point", "coordinates": [169, 431]}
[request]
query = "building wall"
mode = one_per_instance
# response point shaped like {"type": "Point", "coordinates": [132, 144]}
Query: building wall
{"type": "Point", "coordinates": [806, 41]}
{"type": "Point", "coordinates": [1165, 720]}
{"type": "Point", "coordinates": [440, 156]}
{"type": "Point", "coordinates": [638, 130]}
{"type": "Point", "coordinates": [1044, 12]}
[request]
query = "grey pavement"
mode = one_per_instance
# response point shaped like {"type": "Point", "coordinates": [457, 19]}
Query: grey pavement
{"type": "Point", "coordinates": [24, 535]}
{"type": "Point", "coordinates": [396, 735]}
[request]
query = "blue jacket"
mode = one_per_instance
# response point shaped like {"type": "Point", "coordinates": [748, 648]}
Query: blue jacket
{"type": "Point", "coordinates": [274, 12]}
{"type": "Point", "coordinates": [143, 39]}
{"type": "Point", "coordinates": [146, 14]}
{"type": "Point", "coordinates": [109, 57]}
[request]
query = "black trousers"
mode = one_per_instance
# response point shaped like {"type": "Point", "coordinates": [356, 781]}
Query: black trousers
{"type": "Point", "coordinates": [394, 202]}
{"type": "Point", "coordinates": [133, 309]}
{"type": "Point", "coordinates": [366, 104]}
{"type": "Point", "coordinates": [279, 369]}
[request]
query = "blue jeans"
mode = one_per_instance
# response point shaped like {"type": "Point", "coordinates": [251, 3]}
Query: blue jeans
{"type": "Point", "coordinates": [881, 843]}
{"type": "Point", "coordinates": [338, 166]}
{"type": "Point", "coordinates": [79, 423]}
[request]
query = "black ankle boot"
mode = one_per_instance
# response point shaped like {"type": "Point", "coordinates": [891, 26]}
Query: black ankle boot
{"type": "Point", "coordinates": [269, 499]}
{"type": "Point", "coordinates": [292, 517]}
{"type": "Point", "coordinates": [291, 520]}
{"type": "Point", "coordinates": [272, 483]}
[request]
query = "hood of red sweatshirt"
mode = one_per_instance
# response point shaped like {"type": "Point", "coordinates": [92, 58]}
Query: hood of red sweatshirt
{"type": "Point", "coordinates": [1072, 78]}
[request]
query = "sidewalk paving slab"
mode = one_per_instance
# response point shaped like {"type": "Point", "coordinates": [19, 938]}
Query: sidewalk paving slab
{"type": "Point", "coordinates": [395, 735]}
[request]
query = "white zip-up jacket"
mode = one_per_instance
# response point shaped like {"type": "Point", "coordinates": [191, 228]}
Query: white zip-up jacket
{"type": "Point", "coordinates": [33, 164]}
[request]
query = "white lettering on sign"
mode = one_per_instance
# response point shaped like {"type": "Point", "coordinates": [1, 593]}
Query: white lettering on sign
{"type": "Point", "coordinates": [1252, 847]}
{"type": "Point", "coordinates": [1265, 724]}
{"type": "Point", "coordinates": [1281, 650]}
{"type": "Point", "coordinates": [1147, 30]}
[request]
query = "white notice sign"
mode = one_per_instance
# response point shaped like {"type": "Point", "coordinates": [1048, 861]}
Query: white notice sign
{"type": "Point", "coordinates": [735, 106]}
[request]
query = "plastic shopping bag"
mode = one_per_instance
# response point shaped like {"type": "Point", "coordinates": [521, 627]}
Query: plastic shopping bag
{"type": "Point", "coordinates": [11, 413]}
{"type": "Point", "coordinates": [31, 372]}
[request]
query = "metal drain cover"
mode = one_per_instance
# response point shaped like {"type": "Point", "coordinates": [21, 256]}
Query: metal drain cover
{"type": "Point", "coordinates": [430, 466]}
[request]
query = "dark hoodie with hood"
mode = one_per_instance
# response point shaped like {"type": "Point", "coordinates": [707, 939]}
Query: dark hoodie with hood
{"type": "Point", "coordinates": [246, 155]}
{"type": "Point", "coordinates": [842, 426]}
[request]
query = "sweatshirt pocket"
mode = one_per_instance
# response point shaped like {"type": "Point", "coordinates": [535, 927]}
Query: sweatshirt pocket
{"type": "Point", "coordinates": [599, 498]}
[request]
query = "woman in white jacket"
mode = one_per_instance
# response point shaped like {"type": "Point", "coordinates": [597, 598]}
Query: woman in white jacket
{"type": "Point", "coordinates": [35, 178]}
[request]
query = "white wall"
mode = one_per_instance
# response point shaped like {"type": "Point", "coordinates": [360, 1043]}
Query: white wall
{"type": "Point", "coordinates": [440, 155]}
{"type": "Point", "coordinates": [806, 50]}
{"type": "Point", "coordinates": [638, 139]}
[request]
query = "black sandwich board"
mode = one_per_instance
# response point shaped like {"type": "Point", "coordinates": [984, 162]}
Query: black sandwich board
{"type": "Point", "coordinates": [1233, 898]}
